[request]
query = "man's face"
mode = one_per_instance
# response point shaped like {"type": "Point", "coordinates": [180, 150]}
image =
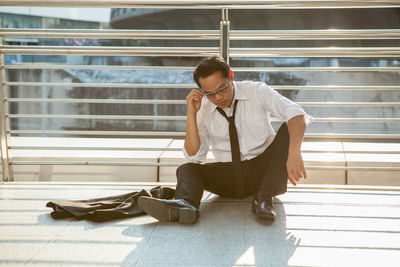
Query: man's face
{"type": "Point", "coordinates": [218, 89]}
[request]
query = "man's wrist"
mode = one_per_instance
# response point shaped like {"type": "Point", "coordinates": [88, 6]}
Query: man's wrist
{"type": "Point", "coordinates": [191, 114]}
{"type": "Point", "coordinates": [294, 151]}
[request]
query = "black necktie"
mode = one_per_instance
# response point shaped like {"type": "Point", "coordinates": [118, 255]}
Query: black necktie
{"type": "Point", "coordinates": [235, 151]}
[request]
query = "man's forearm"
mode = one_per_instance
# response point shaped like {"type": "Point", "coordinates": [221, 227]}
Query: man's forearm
{"type": "Point", "coordinates": [192, 139]}
{"type": "Point", "coordinates": [296, 128]}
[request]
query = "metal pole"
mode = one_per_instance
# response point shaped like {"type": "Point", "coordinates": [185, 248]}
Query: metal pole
{"type": "Point", "coordinates": [4, 123]}
{"type": "Point", "coordinates": [224, 36]}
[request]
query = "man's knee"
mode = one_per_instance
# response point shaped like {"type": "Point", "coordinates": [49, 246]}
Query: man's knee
{"type": "Point", "coordinates": [183, 170]}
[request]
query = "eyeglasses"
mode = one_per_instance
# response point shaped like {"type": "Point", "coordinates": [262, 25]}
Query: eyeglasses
{"type": "Point", "coordinates": [219, 91]}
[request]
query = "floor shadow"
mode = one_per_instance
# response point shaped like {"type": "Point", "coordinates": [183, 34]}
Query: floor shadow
{"type": "Point", "coordinates": [226, 234]}
{"type": "Point", "coordinates": [271, 242]}
{"type": "Point", "coordinates": [266, 242]}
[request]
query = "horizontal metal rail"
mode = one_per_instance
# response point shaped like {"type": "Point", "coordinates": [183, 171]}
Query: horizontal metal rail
{"type": "Point", "coordinates": [314, 34]}
{"type": "Point", "coordinates": [356, 120]}
{"type": "Point", "coordinates": [95, 117]}
{"type": "Point", "coordinates": [183, 102]}
{"type": "Point", "coordinates": [183, 68]}
{"type": "Point", "coordinates": [194, 86]}
{"type": "Point", "coordinates": [330, 34]}
{"type": "Point", "coordinates": [204, 4]}
{"type": "Point", "coordinates": [182, 134]}
{"type": "Point", "coordinates": [168, 118]}
{"type": "Point", "coordinates": [97, 101]}
{"type": "Point", "coordinates": [352, 136]}
{"type": "Point", "coordinates": [349, 104]}
{"type": "Point", "coordinates": [355, 52]}
{"type": "Point", "coordinates": [110, 67]}
{"type": "Point", "coordinates": [103, 163]}
{"type": "Point", "coordinates": [97, 148]}
{"type": "Point", "coordinates": [110, 50]}
{"type": "Point", "coordinates": [111, 34]}
{"type": "Point", "coordinates": [111, 133]}
{"type": "Point", "coordinates": [335, 87]}
{"type": "Point", "coordinates": [329, 52]}
{"type": "Point", "coordinates": [175, 164]}
{"type": "Point", "coordinates": [109, 85]}
{"type": "Point", "coordinates": [313, 69]}
{"type": "Point", "coordinates": [180, 149]}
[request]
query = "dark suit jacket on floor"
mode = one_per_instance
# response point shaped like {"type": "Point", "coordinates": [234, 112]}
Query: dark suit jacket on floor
{"type": "Point", "coordinates": [106, 208]}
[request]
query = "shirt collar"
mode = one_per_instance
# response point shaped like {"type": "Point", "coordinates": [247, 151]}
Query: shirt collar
{"type": "Point", "coordinates": [239, 95]}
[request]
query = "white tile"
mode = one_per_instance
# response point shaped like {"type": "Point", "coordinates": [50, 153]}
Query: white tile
{"type": "Point", "coordinates": [373, 158]}
{"type": "Point", "coordinates": [364, 198]}
{"type": "Point", "coordinates": [313, 228]}
{"type": "Point", "coordinates": [331, 159]}
{"type": "Point", "coordinates": [309, 256]}
{"type": "Point", "coordinates": [330, 210]}
{"type": "Point", "coordinates": [371, 146]}
{"type": "Point", "coordinates": [86, 253]}
{"type": "Point", "coordinates": [19, 249]}
{"type": "Point", "coordinates": [341, 224]}
{"type": "Point", "coordinates": [347, 239]}
{"type": "Point", "coordinates": [216, 238]}
{"type": "Point", "coordinates": [116, 243]}
{"type": "Point", "coordinates": [373, 177]}
{"type": "Point", "coordinates": [321, 146]}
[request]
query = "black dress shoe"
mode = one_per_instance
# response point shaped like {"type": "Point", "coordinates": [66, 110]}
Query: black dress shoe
{"type": "Point", "coordinates": [174, 210]}
{"type": "Point", "coordinates": [162, 192]}
{"type": "Point", "coordinates": [263, 207]}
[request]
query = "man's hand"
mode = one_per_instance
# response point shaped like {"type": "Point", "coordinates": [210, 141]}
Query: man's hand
{"type": "Point", "coordinates": [193, 101]}
{"type": "Point", "coordinates": [295, 167]}
{"type": "Point", "coordinates": [192, 139]}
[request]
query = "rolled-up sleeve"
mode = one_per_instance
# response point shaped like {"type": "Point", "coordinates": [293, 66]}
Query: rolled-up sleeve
{"type": "Point", "coordinates": [280, 106]}
{"type": "Point", "coordinates": [201, 155]}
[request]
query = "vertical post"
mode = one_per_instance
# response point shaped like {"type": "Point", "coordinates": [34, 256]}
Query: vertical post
{"type": "Point", "coordinates": [4, 122]}
{"type": "Point", "coordinates": [224, 36]}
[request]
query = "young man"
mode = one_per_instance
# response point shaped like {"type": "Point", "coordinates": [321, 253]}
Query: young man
{"type": "Point", "coordinates": [234, 117]}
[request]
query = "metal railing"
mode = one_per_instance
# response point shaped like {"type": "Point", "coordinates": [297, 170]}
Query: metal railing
{"type": "Point", "coordinates": [224, 36]}
{"type": "Point", "coordinates": [206, 4]}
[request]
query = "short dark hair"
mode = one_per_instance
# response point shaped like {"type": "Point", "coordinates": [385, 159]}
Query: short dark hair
{"type": "Point", "coordinates": [209, 66]}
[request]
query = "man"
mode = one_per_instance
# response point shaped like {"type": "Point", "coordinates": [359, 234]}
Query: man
{"type": "Point", "coordinates": [251, 159]}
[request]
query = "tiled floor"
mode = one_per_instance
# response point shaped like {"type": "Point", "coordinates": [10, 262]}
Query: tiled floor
{"type": "Point", "coordinates": [315, 227]}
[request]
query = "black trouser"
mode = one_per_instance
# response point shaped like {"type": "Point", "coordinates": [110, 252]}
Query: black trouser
{"type": "Point", "coordinates": [266, 172]}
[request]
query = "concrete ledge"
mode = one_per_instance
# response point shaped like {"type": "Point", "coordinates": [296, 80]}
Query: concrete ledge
{"type": "Point", "coordinates": [373, 177]}
{"type": "Point", "coordinates": [314, 154]}
{"type": "Point", "coordinates": [82, 172]}
{"type": "Point", "coordinates": [378, 160]}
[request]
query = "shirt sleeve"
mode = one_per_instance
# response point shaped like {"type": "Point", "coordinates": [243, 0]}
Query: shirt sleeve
{"type": "Point", "coordinates": [201, 155]}
{"type": "Point", "coordinates": [280, 106]}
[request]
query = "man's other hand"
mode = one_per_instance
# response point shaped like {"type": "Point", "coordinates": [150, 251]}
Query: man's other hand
{"type": "Point", "coordinates": [295, 167]}
{"type": "Point", "coordinates": [193, 101]}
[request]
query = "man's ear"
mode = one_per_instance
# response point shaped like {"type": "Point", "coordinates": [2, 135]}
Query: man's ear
{"type": "Point", "coordinates": [231, 75]}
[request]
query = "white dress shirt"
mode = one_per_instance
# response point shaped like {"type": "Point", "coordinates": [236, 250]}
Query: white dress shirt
{"type": "Point", "coordinates": [256, 101]}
